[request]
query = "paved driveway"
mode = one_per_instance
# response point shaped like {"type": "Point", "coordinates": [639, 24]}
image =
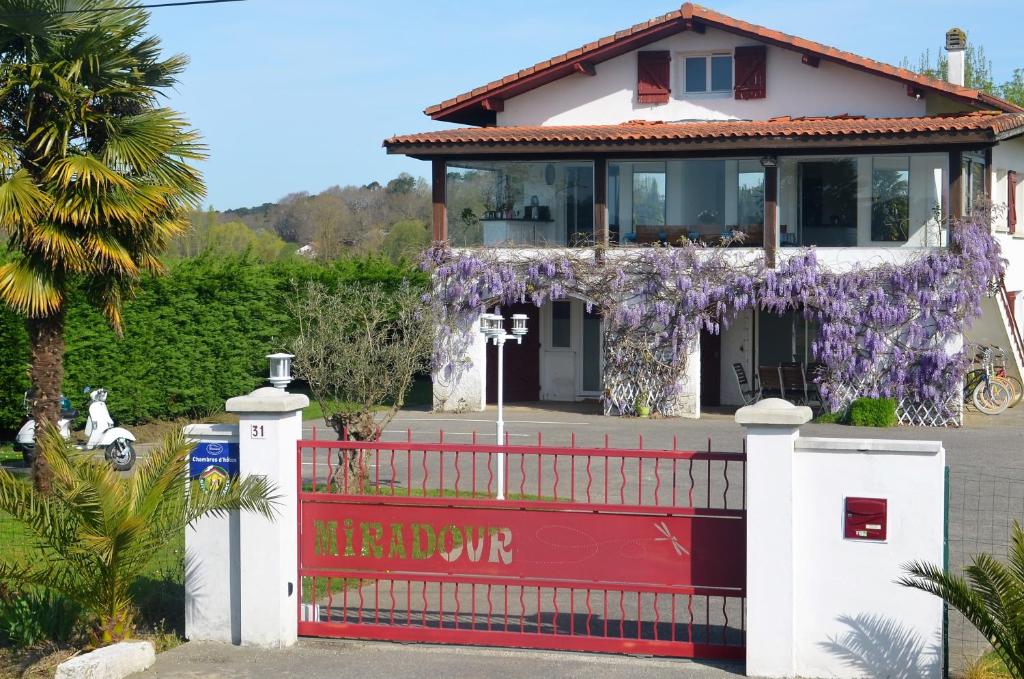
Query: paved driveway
{"type": "Point", "coordinates": [312, 658]}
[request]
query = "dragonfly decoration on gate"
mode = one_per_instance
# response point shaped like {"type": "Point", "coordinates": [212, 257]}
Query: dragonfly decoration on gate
{"type": "Point", "coordinates": [670, 538]}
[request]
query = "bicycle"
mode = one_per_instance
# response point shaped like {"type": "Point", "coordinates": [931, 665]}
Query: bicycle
{"type": "Point", "coordinates": [990, 393]}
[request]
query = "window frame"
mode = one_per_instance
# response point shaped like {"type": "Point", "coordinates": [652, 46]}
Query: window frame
{"type": "Point", "coordinates": [708, 57]}
{"type": "Point", "coordinates": [652, 168]}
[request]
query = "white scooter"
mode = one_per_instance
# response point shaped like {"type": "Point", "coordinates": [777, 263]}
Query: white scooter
{"type": "Point", "coordinates": [99, 430]}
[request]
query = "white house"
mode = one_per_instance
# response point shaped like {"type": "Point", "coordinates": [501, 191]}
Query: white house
{"type": "Point", "coordinates": [695, 124]}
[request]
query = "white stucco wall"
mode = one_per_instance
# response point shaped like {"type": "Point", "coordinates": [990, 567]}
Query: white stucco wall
{"type": "Point", "coordinates": [1007, 155]}
{"type": "Point", "coordinates": [792, 89]}
{"type": "Point", "coordinates": [463, 386]}
{"type": "Point", "coordinates": [850, 616]}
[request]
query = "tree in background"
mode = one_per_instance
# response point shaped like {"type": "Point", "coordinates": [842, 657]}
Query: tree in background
{"type": "Point", "coordinates": [94, 177]}
{"type": "Point", "coordinates": [207, 234]}
{"type": "Point", "coordinates": [342, 220]}
{"type": "Point", "coordinates": [977, 73]}
{"type": "Point", "coordinates": [359, 348]}
{"type": "Point", "coordinates": [406, 240]}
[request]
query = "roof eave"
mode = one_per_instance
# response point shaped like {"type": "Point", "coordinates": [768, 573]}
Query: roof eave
{"type": "Point", "coordinates": [757, 144]}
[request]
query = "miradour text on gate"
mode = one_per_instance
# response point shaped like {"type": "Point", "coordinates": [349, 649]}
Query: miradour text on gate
{"type": "Point", "coordinates": [594, 549]}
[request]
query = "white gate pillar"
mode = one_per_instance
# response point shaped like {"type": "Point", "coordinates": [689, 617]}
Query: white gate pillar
{"type": "Point", "coordinates": [772, 428]}
{"type": "Point", "coordinates": [211, 545]}
{"type": "Point", "coordinates": [269, 427]}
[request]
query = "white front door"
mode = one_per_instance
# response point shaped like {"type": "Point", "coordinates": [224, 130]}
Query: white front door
{"type": "Point", "coordinates": [570, 352]}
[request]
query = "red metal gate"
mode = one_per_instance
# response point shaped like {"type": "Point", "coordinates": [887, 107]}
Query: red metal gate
{"type": "Point", "coordinates": [593, 549]}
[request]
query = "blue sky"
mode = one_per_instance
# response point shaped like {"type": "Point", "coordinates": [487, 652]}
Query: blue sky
{"type": "Point", "coordinates": [297, 95]}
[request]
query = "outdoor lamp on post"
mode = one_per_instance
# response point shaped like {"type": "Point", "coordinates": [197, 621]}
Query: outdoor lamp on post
{"type": "Point", "coordinates": [493, 328]}
{"type": "Point", "coordinates": [280, 370]}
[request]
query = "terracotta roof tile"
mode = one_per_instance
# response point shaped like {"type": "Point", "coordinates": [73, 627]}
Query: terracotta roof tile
{"type": "Point", "coordinates": [655, 27]}
{"type": "Point", "coordinates": [992, 123]}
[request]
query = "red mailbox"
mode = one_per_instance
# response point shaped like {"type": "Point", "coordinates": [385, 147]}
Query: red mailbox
{"type": "Point", "coordinates": [865, 518]}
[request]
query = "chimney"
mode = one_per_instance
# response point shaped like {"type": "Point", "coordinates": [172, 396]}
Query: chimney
{"type": "Point", "coordinates": [956, 47]}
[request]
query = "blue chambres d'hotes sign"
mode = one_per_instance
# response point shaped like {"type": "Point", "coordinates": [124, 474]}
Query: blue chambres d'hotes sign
{"type": "Point", "coordinates": [214, 464]}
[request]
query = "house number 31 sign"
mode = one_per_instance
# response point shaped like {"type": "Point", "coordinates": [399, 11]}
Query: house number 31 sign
{"type": "Point", "coordinates": [256, 431]}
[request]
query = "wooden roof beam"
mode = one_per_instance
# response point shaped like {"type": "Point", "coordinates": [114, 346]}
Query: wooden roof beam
{"type": "Point", "coordinates": [585, 67]}
{"type": "Point", "coordinates": [493, 104]}
{"type": "Point", "coordinates": [812, 60]}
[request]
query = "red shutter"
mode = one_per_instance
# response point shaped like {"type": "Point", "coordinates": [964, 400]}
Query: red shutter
{"type": "Point", "coordinates": [1011, 201]}
{"type": "Point", "coordinates": [652, 77]}
{"type": "Point", "coordinates": [750, 72]}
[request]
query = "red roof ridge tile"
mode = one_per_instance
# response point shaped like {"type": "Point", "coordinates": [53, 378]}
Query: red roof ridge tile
{"type": "Point", "coordinates": [690, 12]}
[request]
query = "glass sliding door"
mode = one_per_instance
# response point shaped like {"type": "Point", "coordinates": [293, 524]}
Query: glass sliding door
{"type": "Point", "coordinates": [579, 205]}
{"type": "Point", "coordinates": [510, 203]}
{"type": "Point", "coordinates": [828, 202]}
{"type": "Point", "coordinates": [890, 198]}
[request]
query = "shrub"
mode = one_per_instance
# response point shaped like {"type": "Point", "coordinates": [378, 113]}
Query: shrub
{"type": "Point", "coordinates": [28, 617]}
{"type": "Point", "coordinates": [192, 338]}
{"type": "Point", "coordinates": [988, 593]}
{"type": "Point", "coordinates": [873, 412]}
{"type": "Point", "coordinates": [107, 528]}
{"type": "Point", "coordinates": [826, 417]}
{"type": "Point", "coordinates": [13, 371]}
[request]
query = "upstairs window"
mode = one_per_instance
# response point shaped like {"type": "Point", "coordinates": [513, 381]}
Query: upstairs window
{"type": "Point", "coordinates": [707, 73]}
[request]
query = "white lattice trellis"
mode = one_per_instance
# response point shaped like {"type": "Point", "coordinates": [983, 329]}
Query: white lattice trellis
{"type": "Point", "coordinates": [909, 413]}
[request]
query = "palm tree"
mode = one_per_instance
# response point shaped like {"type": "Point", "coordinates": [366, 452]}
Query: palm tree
{"type": "Point", "coordinates": [94, 177]}
{"type": "Point", "coordinates": [991, 597]}
{"type": "Point", "coordinates": [98, 530]}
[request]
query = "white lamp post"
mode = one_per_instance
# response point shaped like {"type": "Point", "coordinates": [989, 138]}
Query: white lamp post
{"type": "Point", "coordinates": [280, 370]}
{"type": "Point", "coordinates": [493, 328]}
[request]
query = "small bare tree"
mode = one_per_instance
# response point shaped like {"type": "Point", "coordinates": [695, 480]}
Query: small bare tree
{"type": "Point", "coordinates": [359, 348]}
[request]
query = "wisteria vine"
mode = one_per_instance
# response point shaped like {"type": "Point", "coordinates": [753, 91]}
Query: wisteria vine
{"type": "Point", "coordinates": [889, 329]}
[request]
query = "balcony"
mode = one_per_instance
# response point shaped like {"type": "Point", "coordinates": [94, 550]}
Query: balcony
{"type": "Point", "coordinates": [864, 201]}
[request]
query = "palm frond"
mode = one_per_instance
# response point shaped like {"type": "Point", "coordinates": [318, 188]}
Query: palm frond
{"type": "Point", "coordinates": [22, 203]}
{"type": "Point", "coordinates": [990, 595]}
{"type": "Point", "coordinates": [30, 289]}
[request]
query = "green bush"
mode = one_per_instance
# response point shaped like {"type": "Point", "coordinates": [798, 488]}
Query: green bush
{"type": "Point", "coordinates": [13, 371]}
{"type": "Point", "coordinates": [28, 617]}
{"type": "Point", "coordinates": [826, 417]}
{"type": "Point", "coordinates": [192, 338]}
{"type": "Point", "coordinates": [873, 412]}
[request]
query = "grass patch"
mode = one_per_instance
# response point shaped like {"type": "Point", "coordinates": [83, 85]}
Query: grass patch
{"type": "Point", "coordinates": [987, 666]}
{"type": "Point", "coordinates": [826, 417]}
{"type": "Point", "coordinates": [401, 491]}
{"type": "Point", "coordinates": [420, 395]}
{"type": "Point", "coordinates": [8, 455]}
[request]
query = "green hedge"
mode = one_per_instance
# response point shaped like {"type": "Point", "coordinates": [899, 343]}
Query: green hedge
{"type": "Point", "coordinates": [191, 338]}
{"type": "Point", "coordinates": [873, 412]}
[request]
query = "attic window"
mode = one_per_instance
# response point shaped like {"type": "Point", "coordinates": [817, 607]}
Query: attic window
{"type": "Point", "coordinates": [707, 73]}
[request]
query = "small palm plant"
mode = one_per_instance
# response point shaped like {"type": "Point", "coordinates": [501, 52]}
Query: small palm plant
{"type": "Point", "coordinates": [98, 530]}
{"type": "Point", "coordinates": [991, 597]}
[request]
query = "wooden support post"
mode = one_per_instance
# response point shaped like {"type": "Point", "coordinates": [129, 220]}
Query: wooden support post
{"type": "Point", "coordinates": [955, 185]}
{"type": "Point", "coordinates": [771, 215]}
{"type": "Point", "coordinates": [988, 175]}
{"type": "Point", "coordinates": [439, 176]}
{"type": "Point", "coordinates": [601, 202]}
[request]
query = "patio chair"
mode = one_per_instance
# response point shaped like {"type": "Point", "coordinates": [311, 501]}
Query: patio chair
{"type": "Point", "coordinates": [794, 384]}
{"type": "Point", "coordinates": [750, 392]}
{"type": "Point", "coordinates": [770, 381]}
{"type": "Point", "coordinates": [812, 375]}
